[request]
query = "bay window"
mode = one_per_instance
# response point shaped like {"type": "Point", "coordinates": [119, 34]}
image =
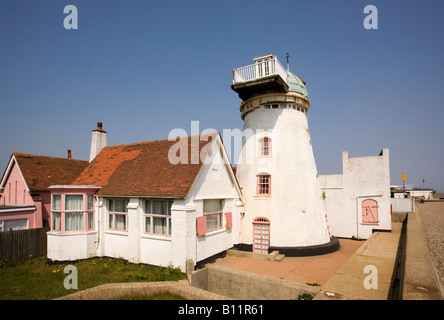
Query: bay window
{"type": "Point", "coordinates": [56, 212]}
{"type": "Point", "coordinates": [72, 212]}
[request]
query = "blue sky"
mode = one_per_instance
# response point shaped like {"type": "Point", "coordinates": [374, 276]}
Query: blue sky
{"type": "Point", "coordinates": [144, 68]}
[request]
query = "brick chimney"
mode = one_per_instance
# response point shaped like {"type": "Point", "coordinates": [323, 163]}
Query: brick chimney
{"type": "Point", "coordinates": [69, 154]}
{"type": "Point", "coordinates": [98, 141]}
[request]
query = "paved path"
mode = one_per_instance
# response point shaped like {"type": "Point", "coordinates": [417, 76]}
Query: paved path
{"type": "Point", "coordinates": [420, 277]}
{"type": "Point", "coordinates": [432, 225]}
{"type": "Point", "coordinates": [367, 275]}
{"type": "Point", "coordinates": [315, 269]}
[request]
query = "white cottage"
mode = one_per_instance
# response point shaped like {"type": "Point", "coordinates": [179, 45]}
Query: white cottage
{"type": "Point", "coordinates": [157, 202]}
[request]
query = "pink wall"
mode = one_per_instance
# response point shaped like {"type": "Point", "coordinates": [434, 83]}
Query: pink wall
{"type": "Point", "coordinates": [15, 193]}
{"type": "Point", "coordinates": [46, 207]}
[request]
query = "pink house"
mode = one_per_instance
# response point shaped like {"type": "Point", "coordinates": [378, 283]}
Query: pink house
{"type": "Point", "coordinates": [25, 201]}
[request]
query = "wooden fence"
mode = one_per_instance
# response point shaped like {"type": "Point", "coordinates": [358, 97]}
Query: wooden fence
{"type": "Point", "coordinates": [19, 245]}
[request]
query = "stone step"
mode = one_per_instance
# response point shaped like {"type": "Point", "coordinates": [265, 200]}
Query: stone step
{"type": "Point", "coordinates": [273, 256]}
{"type": "Point", "coordinates": [279, 257]}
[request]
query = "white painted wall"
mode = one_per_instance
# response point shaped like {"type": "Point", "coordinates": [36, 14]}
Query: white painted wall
{"type": "Point", "coordinates": [402, 204]}
{"type": "Point", "coordinates": [71, 246]}
{"type": "Point", "coordinates": [362, 178]}
{"type": "Point", "coordinates": [214, 181]}
{"type": "Point", "coordinates": [427, 194]}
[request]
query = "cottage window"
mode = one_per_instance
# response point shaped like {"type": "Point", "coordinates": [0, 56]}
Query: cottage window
{"type": "Point", "coordinates": [90, 208]}
{"type": "Point", "coordinates": [265, 147]}
{"type": "Point", "coordinates": [158, 217]}
{"type": "Point", "coordinates": [263, 186]}
{"type": "Point", "coordinates": [74, 213]}
{"type": "Point", "coordinates": [69, 211]}
{"type": "Point", "coordinates": [16, 224]}
{"type": "Point", "coordinates": [212, 209]}
{"type": "Point", "coordinates": [56, 212]}
{"type": "Point", "coordinates": [118, 214]}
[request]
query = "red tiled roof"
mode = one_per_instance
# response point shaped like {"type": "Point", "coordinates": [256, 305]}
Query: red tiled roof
{"type": "Point", "coordinates": [40, 172]}
{"type": "Point", "coordinates": [143, 169]}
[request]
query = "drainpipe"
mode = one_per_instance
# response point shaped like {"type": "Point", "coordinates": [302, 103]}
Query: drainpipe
{"type": "Point", "coordinates": [98, 223]}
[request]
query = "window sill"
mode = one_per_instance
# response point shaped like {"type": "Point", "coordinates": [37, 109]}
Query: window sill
{"type": "Point", "coordinates": [262, 197]}
{"type": "Point", "coordinates": [156, 237]}
{"type": "Point", "coordinates": [370, 223]}
{"type": "Point", "coordinates": [71, 233]}
{"type": "Point", "coordinates": [216, 231]}
{"type": "Point", "coordinates": [117, 232]}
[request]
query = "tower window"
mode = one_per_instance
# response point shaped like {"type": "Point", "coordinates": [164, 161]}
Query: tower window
{"type": "Point", "coordinates": [263, 184]}
{"type": "Point", "coordinates": [274, 106]}
{"type": "Point", "coordinates": [265, 147]}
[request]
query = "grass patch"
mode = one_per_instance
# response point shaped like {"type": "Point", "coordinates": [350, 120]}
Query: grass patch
{"type": "Point", "coordinates": [315, 284]}
{"type": "Point", "coordinates": [305, 296]}
{"type": "Point", "coordinates": [37, 280]}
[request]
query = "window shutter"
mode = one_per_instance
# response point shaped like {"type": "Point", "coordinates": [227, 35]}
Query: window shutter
{"type": "Point", "coordinates": [229, 219]}
{"type": "Point", "coordinates": [201, 226]}
{"type": "Point", "coordinates": [257, 184]}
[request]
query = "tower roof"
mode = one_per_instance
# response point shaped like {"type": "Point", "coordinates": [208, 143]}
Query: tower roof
{"type": "Point", "coordinates": [296, 84]}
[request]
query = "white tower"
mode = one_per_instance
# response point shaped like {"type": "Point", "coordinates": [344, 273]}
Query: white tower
{"type": "Point", "coordinates": [277, 172]}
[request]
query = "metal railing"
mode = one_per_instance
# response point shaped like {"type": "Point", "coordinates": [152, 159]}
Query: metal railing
{"type": "Point", "coordinates": [259, 70]}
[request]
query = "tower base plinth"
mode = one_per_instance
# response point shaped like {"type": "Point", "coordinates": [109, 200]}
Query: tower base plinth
{"type": "Point", "coordinates": [305, 251]}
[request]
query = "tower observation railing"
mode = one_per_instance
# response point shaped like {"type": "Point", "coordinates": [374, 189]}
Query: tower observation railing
{"type": "Point", "coordinates": [260, 69]}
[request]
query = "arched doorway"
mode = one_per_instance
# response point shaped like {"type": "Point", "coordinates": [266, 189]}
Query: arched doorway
{"type": "Point", "coordinates": [261, 235]}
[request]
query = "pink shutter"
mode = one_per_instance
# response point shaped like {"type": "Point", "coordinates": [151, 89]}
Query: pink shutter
{"type": "Point", "coordinates": [201, 226]}
{"type": "Point", "coordinates": [229, 218]}
{"type": "Point", "coordinates": [257, 184]}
